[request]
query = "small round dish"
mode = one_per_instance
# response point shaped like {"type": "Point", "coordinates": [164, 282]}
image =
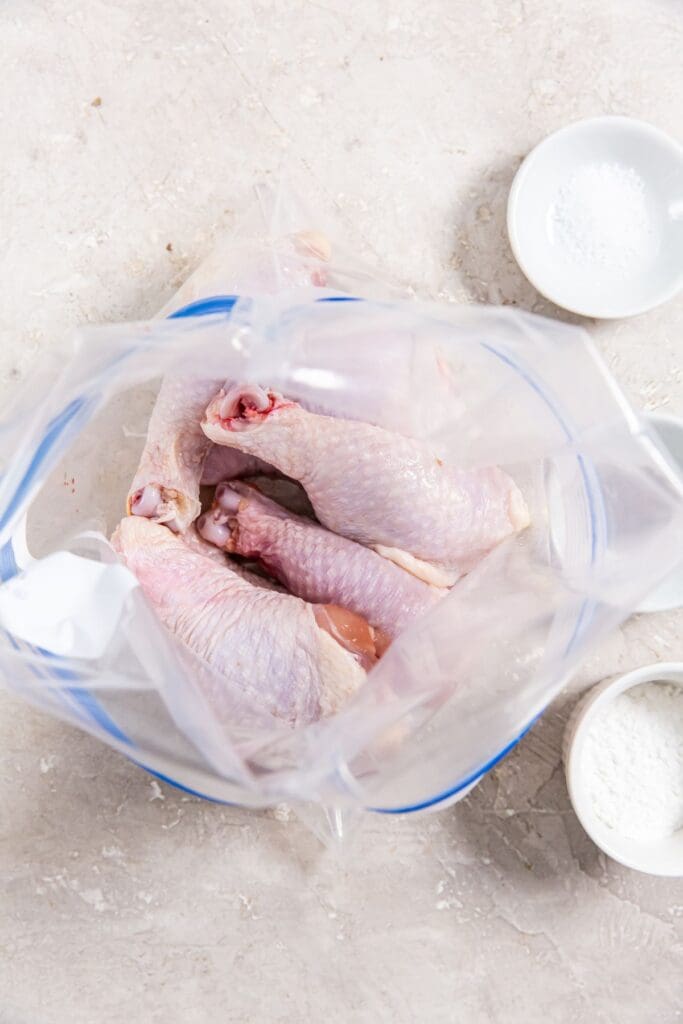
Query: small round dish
{"type": "Point", "coordinates": [669, 593]}
{"type": "Point", "coordinates": [595, 217]}
{"type": "Point", "coordinates": [660, 857]}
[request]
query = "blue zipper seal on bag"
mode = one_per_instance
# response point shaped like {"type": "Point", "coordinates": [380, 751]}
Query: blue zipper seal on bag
{"type": "Point", "coordinates": [8, 563]}
{"type": "Point", "coordinates": [205, 307]}
{"type": "Point", "coordinates": [226, 303]}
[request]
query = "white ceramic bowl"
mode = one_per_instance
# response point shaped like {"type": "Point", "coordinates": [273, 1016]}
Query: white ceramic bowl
{"type": "Point", "coordinates": [660, 857]}
{"type": "Point", "coordinates": [585, 282]}
{"type": "Point", "coordinates": [669, 593]}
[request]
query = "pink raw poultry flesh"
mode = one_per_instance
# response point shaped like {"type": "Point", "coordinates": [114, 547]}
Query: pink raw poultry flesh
{"type": "Point", "coordinates": [271, 650]}
{"type": "Point", "coordinates": [178, 456]}
{"type": "Point", "coordinates": [395, 526]}
{"type": "Point", "coordinates": [376, 487]}
{"type": "Point", "coordinates": [313, 562]}
{"type": "Point", "coordinates": [166, 485]}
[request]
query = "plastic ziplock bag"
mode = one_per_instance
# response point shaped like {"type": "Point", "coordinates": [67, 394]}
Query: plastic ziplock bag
{"type": "Point", "coordinates": [483, 386]}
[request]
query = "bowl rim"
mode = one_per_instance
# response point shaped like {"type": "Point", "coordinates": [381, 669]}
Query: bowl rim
{"type": "Point", "coordinates": [575, 127]}
{"type": "Point", "coordinates": [575, 734]}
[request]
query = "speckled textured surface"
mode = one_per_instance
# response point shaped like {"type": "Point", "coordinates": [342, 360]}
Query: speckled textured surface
{"type": "Point", "coordinates": [125, 127]}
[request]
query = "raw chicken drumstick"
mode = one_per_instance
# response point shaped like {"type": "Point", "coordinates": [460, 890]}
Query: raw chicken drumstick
{"type": "Point", "coordinates": [166, 485]}
{"type": "Point", "coordinates": [313, 562]}
{"type": "Point", "coordinates": [272, 650]}
{"type": "Point", "coordinates": [379, 488]}
{"type": "Point", "coordinates": [178, 456]}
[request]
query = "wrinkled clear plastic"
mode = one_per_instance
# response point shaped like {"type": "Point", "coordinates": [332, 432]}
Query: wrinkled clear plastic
{"type": "Point", "coordinates": [483, 385]}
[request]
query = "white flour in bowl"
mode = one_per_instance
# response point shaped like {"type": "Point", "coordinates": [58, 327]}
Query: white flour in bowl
{"type": "Point", "coordinates": [633, 762]}
{"type": "Point", "coordinates": [601, 216]}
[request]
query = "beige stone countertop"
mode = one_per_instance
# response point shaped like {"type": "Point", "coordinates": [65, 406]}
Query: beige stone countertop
{"type": "Point", "coordinates": [129, 125]}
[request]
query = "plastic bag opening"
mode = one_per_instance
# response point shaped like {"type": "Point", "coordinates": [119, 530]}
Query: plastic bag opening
{"type": "Point", "coordinates": [481, 385]}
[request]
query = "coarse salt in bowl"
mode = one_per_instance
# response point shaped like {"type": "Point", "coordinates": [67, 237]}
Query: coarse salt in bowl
{"type": "Point", "coordinates": [595, 217]}
{"type": "Point", "coordinates": [623, 757]}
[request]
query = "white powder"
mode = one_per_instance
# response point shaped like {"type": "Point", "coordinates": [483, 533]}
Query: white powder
{"type": "Point", "coordinates": [633, 762]}
{"type": "Point", "coordinates": [601, 216]}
